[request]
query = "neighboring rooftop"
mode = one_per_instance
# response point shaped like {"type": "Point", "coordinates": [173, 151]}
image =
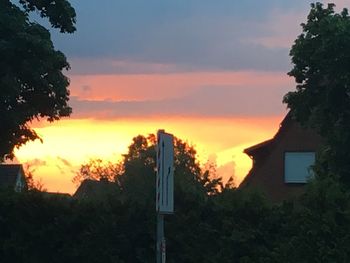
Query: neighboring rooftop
{"type": "Point", "coordinates": [93, 189]}
{"type": "Point", "coordinates": [10, 174]}
{"type": "Point", "coordinates": [56, 195]}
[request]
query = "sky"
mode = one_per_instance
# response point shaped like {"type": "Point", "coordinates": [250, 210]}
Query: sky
{"type": "Point", "coordinates": [211, 72]}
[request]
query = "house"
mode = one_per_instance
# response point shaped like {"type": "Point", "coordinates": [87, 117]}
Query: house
{"type": "Point", "coordinates": [12, 177]}
{"type": "Point", "coordinates": [281, 165]}
{"type": "Point", "coordinates": [93, 189]}
{"type": "Point", "coordinates": [56, 195]}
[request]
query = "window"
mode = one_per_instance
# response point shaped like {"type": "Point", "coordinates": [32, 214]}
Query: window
{"type": "Point", "coordinates": [297, 166]}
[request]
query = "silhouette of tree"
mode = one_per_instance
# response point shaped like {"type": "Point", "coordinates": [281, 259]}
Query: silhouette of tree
{"type": "Point", "coordinates": [135, 174]}
{"type": "Point", "coordinates": [96, 169]}
{"type": "Point", "coordinates": [321, 59]}
{"type": "Point", "coordinates": [139, 163]}
{"type": "Point", "coordinates": [31, 79]}
{"type": "Point", "coordinates": [318, 227]}
{"type": "Point", "coordinates": [33, 184]}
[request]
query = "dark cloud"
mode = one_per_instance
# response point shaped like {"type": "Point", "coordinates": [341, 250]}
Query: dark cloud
{"type": "Point", "coordinates": [32, 165]}
{"type": "Point", "coordinates": [64, 166]}
{"type": "Point", "coordinates": [192, 35]}
{"type": "Point", "coordinates": [37, 162]}
{"type": "Point", "coordinates": [95, 66]}
{"type": "Point", "coordinates": [164, 60]}
{"type": "Point", "coordinates": [64, 161]}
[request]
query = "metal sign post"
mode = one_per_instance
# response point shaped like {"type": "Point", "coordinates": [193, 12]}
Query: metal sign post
{"type": "Point", "coordinates": [164, 188]}
{"type": "Point", "coordinates": [160, 239]}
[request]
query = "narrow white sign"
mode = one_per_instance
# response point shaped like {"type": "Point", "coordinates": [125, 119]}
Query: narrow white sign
{"type": "Point", "coordinates": [165, 173]}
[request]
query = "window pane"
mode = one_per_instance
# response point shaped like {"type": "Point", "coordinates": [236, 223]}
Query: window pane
{"type": "Point", "coordinates": [297, 166]}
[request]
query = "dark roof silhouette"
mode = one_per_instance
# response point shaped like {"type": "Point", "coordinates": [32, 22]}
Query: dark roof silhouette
{"type": "Point", "coordinates": [56, 195]}
{"type": "Point", "coordinates": [266, 145]}
{"type": "Point", "coordinates": [9, 173]}
{"type": "Point", "coordinates": [93, 189]}
{"type": "Point", "coordinates": [252, 150]}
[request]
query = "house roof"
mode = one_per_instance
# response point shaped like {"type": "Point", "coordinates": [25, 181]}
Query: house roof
{"type": "Point", "coordinates": [252, 150]}
{"type": "Point", "coordinates": [8, 174]}
{"type": "Point", "coordinates": [94, 189]}
{"type": "Point", "coordinates": [262, 146]}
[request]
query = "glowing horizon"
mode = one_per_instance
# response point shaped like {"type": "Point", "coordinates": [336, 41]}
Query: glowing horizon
{"type": "Point", "coordinates": [219, 113]}
{"type": "Point", "coordinates": [70, 143]}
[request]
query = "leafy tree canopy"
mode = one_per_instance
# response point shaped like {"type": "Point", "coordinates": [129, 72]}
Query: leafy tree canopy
{"type": "Point", "coordinates": [321, 59]}
{"type": "Point", "coordinates": [97, 169]}
{"type": "Point", "coordinates": [135, 174]}
{"type": "Point", "coordinates": [32, 85]}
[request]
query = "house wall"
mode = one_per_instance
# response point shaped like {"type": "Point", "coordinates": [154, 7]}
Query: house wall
{"type": "Point", "coordinates": [267, 173]}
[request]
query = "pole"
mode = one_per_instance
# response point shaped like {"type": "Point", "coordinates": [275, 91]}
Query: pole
{"type": "Point", "coordinates": [160, 249]}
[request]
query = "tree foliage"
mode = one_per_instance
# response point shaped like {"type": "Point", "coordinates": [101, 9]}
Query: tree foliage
{"type": "Point", "coordinates": [32, 183]}
{"type": "Point", "coordinates": [135, 173]}
{"type": "Point", "coordinates": [230, 225]}
{"type": "Point", "coordinates": [31, 79]}
{"type": "Point", "coordinates": [321, 59]}
{"type": "Point", "coordinates": [97, 169]}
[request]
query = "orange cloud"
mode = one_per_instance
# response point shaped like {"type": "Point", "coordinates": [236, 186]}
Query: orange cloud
{"type": "Point", "coordinates": [141, 87]}
{"type": "Point", "coordinates": [194, 94]}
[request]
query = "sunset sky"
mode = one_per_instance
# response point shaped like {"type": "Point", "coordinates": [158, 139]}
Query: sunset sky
{"type": "Point", "coordinates": [210, 72]}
